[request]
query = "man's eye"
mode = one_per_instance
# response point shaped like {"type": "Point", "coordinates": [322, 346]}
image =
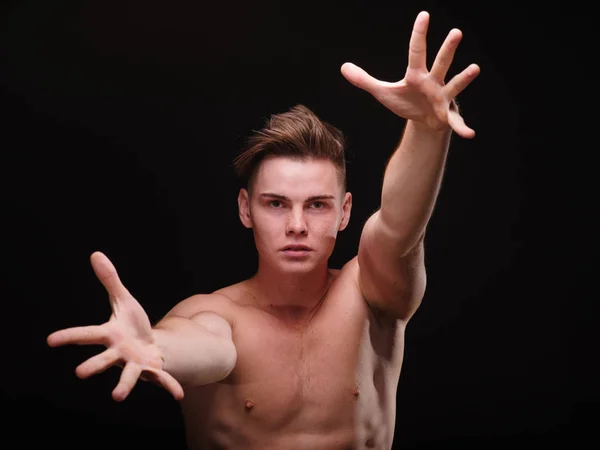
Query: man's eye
{"type": "Point", "coordinates": [318, 205]}
{"type": "Point", "coordinates": [275, 203]}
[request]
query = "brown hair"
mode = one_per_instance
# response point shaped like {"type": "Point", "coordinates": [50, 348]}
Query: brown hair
{"type": "Point", "coordinates": [297, 133]}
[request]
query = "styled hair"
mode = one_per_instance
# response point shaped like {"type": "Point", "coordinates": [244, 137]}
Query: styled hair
{"type": "Point", "coordinates": [297, 133]}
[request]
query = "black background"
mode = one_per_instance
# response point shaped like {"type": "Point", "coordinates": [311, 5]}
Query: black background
{"type": "Point", "coordinates": [119, 123]}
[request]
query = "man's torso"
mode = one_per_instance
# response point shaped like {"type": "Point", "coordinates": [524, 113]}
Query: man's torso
{"type": "Point", "coordinates": [328, 385]}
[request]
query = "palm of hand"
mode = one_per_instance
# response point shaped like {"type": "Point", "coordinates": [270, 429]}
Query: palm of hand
{"type": "Point", "coordinates": [130, 333]}
{"type": "Point", "coordinates": [417, 97]}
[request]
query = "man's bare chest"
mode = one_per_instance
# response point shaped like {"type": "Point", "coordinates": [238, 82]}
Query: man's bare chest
{"type": "Point", "coordinates": [283, 372]}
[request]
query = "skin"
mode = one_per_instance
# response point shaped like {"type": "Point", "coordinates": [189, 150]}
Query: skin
{"type": "Point", "coordinates": [301, 355]}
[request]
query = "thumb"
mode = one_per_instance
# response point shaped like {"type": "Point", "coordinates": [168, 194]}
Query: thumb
{"type": "Point", "coordinates": [457, 123]}
{"type": "Point", "coordinates": [359, 78]}
{"type": "Point", "coordinates": [107, 274]}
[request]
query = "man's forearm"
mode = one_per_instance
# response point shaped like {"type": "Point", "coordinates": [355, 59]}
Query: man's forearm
{"type": "Point", "coordinates": [193, 354]}
{"type": "Point", "coordinates": [411, 184]}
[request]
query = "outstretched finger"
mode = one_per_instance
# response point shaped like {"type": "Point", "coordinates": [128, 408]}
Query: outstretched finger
{"type": "Point", "coordinates": [90, 335]}
{"type": "Point", "coordinates": [417, 47]}
{"type": "Point", "coordinates": [444, 58]}
{"type": "Point", "coordinates": [97, 364]}
{"type": "Point", "coordinates": [129, 376]}
{"type": "Point", "coordinates": [165, 380]}
{"type": "Point", "coordinates": [361, 79]}
{"type": "Point", "coordinates": [457, 84]}
{"type": "Point", "coordinates": [457, 123]}
{"type": "Point", "coordinates": [108, 276]}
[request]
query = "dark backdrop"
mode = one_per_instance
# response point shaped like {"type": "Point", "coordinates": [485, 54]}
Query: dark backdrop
{"type": "Point", "coordinates": [119, 123]}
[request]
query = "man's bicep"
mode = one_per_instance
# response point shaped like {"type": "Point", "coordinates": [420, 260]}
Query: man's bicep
{"type": "Point", "coordinates": [390, 281]}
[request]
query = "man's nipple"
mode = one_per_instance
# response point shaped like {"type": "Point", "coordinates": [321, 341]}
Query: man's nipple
{"type": "Point", "coordinates": [248, 405]}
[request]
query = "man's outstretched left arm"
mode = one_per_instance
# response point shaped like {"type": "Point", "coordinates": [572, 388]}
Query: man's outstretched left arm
{"type": "Point", "coordinates": [391, 255]}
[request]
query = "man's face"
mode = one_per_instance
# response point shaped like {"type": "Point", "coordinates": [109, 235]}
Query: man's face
{"type": "Point", "coordinates": [295, 209]}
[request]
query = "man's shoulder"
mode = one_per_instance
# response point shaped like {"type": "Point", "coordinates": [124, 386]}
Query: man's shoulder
{"type": "Point", "coordinates": [236, 294]}
{"type": "Point", "coordinates": [223, 302]}
{"type": "Point", "coordinates": [345, 280]}
{"type": "Point", "coordinates": [348, 272]}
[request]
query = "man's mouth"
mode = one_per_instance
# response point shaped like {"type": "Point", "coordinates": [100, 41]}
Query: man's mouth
{"type": "Point", "coordinates": [297, 248]}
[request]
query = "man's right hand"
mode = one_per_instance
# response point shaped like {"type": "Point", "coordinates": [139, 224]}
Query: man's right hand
{"type": "Point", "coordinates": [127, 336]}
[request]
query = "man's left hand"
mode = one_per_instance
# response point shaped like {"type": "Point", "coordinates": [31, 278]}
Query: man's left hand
{"type": "Point", "coordinates": [422, 95]}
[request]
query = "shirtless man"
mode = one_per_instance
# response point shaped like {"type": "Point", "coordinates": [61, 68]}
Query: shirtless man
{"type": "Point", "coordinates": [301, 356]}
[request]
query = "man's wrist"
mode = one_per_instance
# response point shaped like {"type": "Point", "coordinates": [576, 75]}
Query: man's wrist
{"type": "Point", "coordinates": [422, 127]}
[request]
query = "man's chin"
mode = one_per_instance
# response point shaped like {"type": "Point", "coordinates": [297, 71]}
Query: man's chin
{"type": "Point", "coordinates": [297, 266]}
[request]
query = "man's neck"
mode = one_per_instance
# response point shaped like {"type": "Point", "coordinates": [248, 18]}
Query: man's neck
{"type": "Point", "coordinates": [291, 297]}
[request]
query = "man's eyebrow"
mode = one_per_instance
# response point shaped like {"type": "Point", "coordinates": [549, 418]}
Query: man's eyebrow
{"type": "Point", "coordinates": [310, 199]}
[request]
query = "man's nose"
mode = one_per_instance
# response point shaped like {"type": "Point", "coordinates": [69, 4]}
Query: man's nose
{"type": "Point", "coordinates": [296, 223]}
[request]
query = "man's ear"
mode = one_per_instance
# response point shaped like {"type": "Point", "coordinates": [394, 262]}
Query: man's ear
{"type": "Point", "coordinates": [244, 207]}
{"type": "Point", "coordinates": [346, 209]}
